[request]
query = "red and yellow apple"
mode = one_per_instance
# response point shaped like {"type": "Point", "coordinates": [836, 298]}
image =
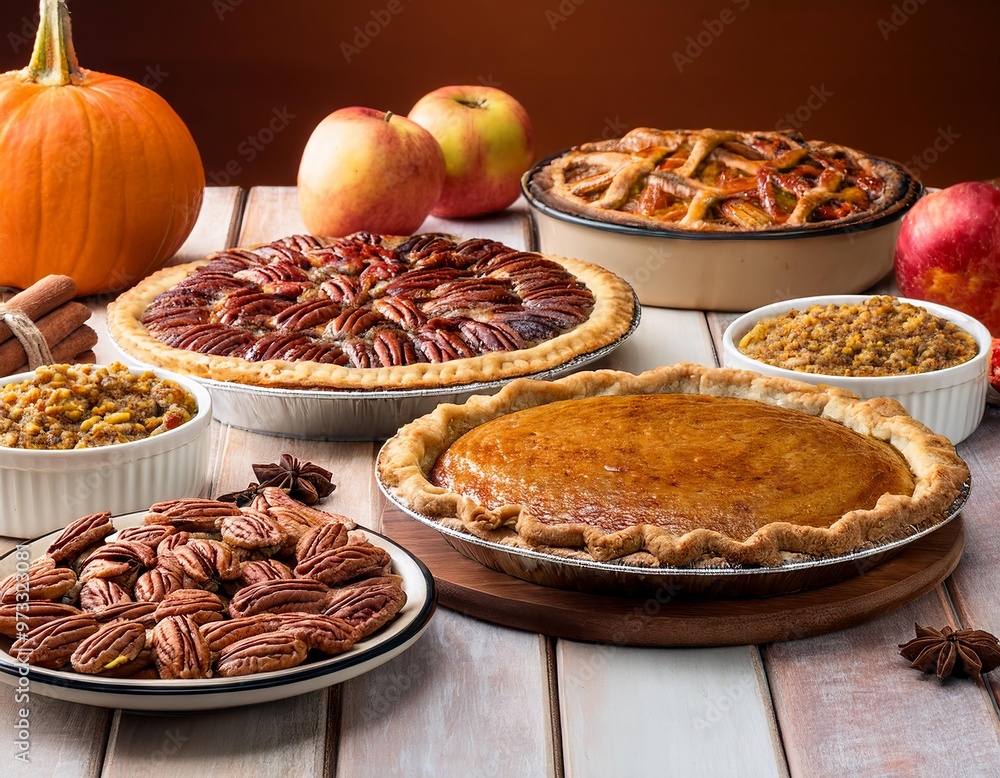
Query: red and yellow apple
{"type": "Point", "coordinates": [948, 251]}
{"type": "Point", "coordinates": [487, 141]}
{"type": "Point", "coordinates": [371, 170]}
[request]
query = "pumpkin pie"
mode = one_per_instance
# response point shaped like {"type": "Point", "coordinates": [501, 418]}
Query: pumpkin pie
{"type": "Point", "coordinates": [722, 181]}
{"type": "Point", "coordinates": [371, 312]}
{"type": "Point", "coordinates": [680, 465]}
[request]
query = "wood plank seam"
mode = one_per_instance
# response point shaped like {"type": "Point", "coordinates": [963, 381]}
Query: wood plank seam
{"type": "Point", "coordinates": [777, 741]}
{"type": "Point", "coordinates": [334, 718]}
{"type": "Point", "coordinates": [555, 718]}
{"type": "Point", "coordinates": [959, 624]}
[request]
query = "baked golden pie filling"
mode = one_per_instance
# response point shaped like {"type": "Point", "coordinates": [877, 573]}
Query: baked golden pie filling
{"type": "Point", "coordinates": [679, 465]}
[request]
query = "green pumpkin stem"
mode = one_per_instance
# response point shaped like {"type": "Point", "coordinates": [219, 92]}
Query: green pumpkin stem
{"type": "Point", "coordinates": [53, 61]}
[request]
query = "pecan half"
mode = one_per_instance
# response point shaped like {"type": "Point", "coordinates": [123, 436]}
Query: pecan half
{"type": "Point", "coordinates": [120, 559]}
{"type": "Point", "coordinates": [143, 612]}
{"type": "Point", "coordinates": [197, 604]}
{"type": "Point", "coordinates": [171, 542]}
{"type": "Point", "coordinates": [148, 534]}
{"type": "Point", "coordinates": [257, 570]}
{"type": "Point", "coordinates": [52, 644]}
{"type": "Point", "coordinates": [328, 634]}
{"type": "Point", "coordinates": [203, 560]}
{"type": "Point", "coordinates": [179, 649]}
{"type": "Point", "coordinates": [252, 530]}
{"type": "Point", "coordinates": [99, 593]}
{"type": "Point", "coordinates": [319, 539]}
{"type": "Point", "coordinates": [342, 564]}
{"type": "Point", "coordinates": [368, 608]}
{"type": "Point", "coordinates": [45, 582]}
{"type": "Point", "coordinates": [260, 654]}
{"type": "Point", "coordinates": [81, 534]}
{"type": "Point", "coordinates": [31, 614]}
{"type": "Point", "coordinates": [190, 513]}
{"type": "Point", "coordinates": [280, 506]}
{"type": "Point", "coordinates": [219, 634]}
{"type": "Point", "coordinates": [281, 596]}
{"type": "Point", "coordinates": [112, 646]}
{"type": "Point", "coordinates": [155, 584]}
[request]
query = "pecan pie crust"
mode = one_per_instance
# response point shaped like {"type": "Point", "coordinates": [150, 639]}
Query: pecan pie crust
{"type": "Point", "coordinates": [371, 313]}
{"type": "Point", "coordinates": [722, 181]}
{"type": "Point", "coordinates": [754, 488]}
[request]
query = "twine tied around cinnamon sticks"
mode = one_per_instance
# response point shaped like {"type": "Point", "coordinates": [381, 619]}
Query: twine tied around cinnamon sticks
{"type": "Point", "coordinates": [42, 325]}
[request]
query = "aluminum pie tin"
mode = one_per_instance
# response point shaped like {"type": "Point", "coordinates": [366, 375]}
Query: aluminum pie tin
{"type": "Point", "coordinates": [317, 414]}
{"type": "Point", "coordinates": [731, 581]}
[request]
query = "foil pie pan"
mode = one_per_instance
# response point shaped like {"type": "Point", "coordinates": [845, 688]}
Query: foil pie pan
{"type": "Point", "coordinates": [727, 581]}
{"type": "Point", "coordinates": [316, 414]}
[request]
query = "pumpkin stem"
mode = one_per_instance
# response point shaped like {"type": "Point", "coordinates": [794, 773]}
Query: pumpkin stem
{"type": "Point", "coordinates": [53, 61]}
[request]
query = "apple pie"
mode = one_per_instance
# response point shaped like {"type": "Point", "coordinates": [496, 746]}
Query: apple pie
{"type": "Point", "coordinates": [372, 312]}
{"type": "Point", "coordinates": [722, 181]}
{"type": "Point", "coordinates": [682, 465]}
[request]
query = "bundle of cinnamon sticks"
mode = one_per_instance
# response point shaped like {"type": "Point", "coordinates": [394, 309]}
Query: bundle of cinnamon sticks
{"type": "Point", "coordinates": [49, 304]}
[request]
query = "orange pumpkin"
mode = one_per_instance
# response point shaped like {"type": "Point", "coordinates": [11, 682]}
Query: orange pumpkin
{"type": "Point", "coordinates": [99, 178]}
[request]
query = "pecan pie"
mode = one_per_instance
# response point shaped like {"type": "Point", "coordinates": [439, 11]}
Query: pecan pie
{"type": "Point", "coordinates": [371, 312]}
{"type": "Point", "coordinates": [677, 466]}
{"type": "Point", "coordinates": [722, 181]}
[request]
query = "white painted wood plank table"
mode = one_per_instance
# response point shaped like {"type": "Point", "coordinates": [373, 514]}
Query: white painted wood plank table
{"type": "Point", "coordinates": [475, 699]}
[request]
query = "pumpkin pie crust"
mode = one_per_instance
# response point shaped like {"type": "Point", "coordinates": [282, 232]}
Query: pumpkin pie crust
{"type": "Point", "coordinates": [677, 466]}
{"type": "Point", "coordinates": [371, 312]}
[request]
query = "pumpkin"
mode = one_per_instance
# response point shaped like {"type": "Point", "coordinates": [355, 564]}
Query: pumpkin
{"type": "Point", "coordinates": [100, 179]}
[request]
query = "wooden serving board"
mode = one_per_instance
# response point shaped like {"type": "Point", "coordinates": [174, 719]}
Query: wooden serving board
{"type": "Point", "coordinates": [470, 588]}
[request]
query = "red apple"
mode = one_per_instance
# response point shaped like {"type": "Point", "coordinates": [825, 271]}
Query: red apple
{"type": "Point", "coordinates": [487, 141]}
{"type": "Point", "coordinates": [995, 365]}
{"type": "Point", "coordinates": [368, 170]}
{"type": "Point", "coordinates": [948, 251]}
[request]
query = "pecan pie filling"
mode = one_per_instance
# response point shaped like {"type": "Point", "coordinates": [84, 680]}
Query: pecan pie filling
{"type": "Point", "coordinates": [679, 462]}
{"type": "Point", "coordinates": [367, 301]}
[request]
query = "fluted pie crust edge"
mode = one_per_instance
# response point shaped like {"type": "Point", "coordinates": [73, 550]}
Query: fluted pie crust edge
{"type": "Point", "coordinates": [940, 475]}
{"type": "Point", "coordinates": [610, 319]}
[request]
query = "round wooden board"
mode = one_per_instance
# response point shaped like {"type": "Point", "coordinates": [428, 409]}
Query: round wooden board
{"type": "Point", "coordinates": [470, 588]}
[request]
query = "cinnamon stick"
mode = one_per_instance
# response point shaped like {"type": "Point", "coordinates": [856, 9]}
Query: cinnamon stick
{"type": "Point", "coordinates": [54, 328]}
{"type": "Point", "coordinates": [42, 297]}
{"type": "Point", "coordinates": [83, 338]}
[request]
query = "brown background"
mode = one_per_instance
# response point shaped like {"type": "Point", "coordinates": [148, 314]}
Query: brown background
{"type": "Point", "coordinates": [252, 77]}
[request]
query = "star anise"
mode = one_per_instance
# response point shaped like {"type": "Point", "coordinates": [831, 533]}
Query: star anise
{"type": "Point", "coordinates": [946, 652]}
{"type": "Point", "coordinates": [305, 481]}
{"type": "Point", "coordinates": [243, 497]}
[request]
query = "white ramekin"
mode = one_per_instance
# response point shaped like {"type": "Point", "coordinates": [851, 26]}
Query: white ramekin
{"type": "Point", "coordinates": [41, 491]}
{"type": "Point", "coordinates": [951, 401]}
